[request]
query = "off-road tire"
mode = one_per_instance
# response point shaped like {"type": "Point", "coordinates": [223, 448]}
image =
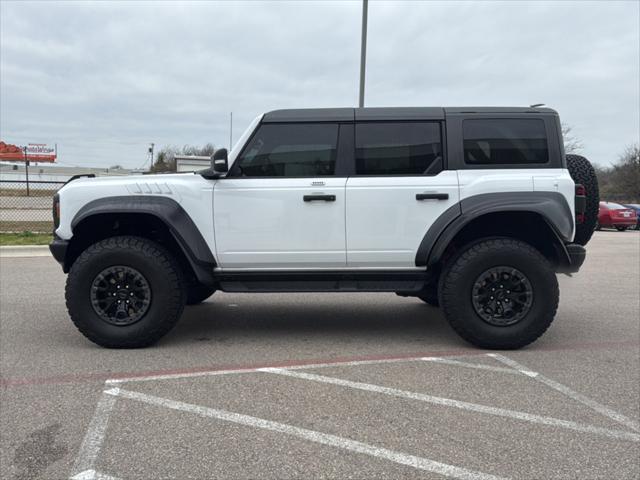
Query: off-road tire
{"type": "Point", "coordinates": [198, 292]}
{"type": "Point", "coordinates": [582, 172]}
{"type": "Point", "coordinates": [165, 280]}
{"type": "Point", "coordinates": [462, 271]}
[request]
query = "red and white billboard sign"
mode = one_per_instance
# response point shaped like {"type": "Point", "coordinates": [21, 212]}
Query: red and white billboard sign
{"type": "Point", "coordinates": [36, 152]}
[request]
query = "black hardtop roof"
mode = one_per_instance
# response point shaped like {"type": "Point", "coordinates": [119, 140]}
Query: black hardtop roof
{"type": "Point", "coordinates": [387, 113]}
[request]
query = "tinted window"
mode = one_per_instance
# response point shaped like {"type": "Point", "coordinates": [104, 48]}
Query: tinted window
{"type": "Point", "coordinates": [398, 148]}
{"type": "Point", "coordinates": [507, 142]}
{"type": "Point", "coordinates": [289, 150]}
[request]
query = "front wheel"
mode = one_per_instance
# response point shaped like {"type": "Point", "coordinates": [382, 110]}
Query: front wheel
{"type": "Point", "coordinates": [499, 293]}
{"type": "Point", "coordinates": [621, 229]}
{"type": "Point", "coordinates": [125, 292]}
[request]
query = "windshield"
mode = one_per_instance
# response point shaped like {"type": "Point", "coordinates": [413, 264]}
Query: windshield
{"type": "Point", "coordinates": [242, 140]}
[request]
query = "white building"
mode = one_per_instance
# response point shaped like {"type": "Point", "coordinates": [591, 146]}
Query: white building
{"type": "Point", "coordinates": [52, 173]}
{"type": "Point", "coordinates": [192, 163]}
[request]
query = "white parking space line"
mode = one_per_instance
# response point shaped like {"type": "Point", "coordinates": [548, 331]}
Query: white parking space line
{"type": "Point", "coordinates": [473, 407]}
{"type": "Point", "coordinates": [93, 475]}
{"type": "Point", "coordinates": [208, 373]}
{"type": "Point", "coordinates": [177, 376]}
{"type": "Point", "coordinates": [92, 442]}
{"type": "Point", "coordinates": [578, 397]}
{"type": "Point", "coordinates": [419, 463]}
{"type": "Point", "coordinates": [478, 366]}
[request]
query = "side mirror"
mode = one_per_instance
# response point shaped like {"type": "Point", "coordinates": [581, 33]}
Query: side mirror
{"type": "Point", "coordinates": [219, 161]}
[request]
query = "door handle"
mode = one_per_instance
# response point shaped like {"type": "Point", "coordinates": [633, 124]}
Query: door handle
{"type": "Point", "coordinates": [432, 196]}
{"type": "Point", "coordinates": [324, 198]}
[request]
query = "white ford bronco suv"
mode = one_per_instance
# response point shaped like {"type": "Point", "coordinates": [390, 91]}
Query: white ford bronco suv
{"type": "Point", "coordinates": [472, 209]}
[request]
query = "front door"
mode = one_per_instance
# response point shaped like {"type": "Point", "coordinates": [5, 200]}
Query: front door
{"type": "Point", "coordinates": [398, 191]}
{"type": "Point", "coordinates": [281, 205]}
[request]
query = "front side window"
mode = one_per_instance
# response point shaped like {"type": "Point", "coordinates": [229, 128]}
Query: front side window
{"type": "Point", "coordinates": [289, 150]}
{"type": "Point", "coordinates": [398, 148]}
{"type": "Point", "coordinates": [504, 141]}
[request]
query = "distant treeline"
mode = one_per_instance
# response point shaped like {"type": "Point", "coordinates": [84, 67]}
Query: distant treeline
{"type": "Point", "coordinates": [620, 182]}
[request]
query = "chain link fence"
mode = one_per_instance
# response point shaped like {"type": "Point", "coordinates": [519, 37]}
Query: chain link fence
{"type": "Point", "coordinates": [27, 207]}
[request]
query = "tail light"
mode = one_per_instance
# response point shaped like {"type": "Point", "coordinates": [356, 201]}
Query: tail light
{"type": "Point", "coordinates": [580, 202]}
{"type": "Point", "coordinates": [56, 211]}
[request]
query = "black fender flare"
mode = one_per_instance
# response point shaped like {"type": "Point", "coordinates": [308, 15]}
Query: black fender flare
{"type": "Point", "coordinates": [551, 206]}
{"type": "Point", "coordinates": [170, 213]}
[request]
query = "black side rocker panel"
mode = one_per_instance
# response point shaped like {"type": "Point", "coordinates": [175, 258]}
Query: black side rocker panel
{"type": "Point", "coordinates": [322, 281]}
{"type": "Point", "coordinates": [552, 206]}
{"type": "Point", "coordinates": [167, 210]}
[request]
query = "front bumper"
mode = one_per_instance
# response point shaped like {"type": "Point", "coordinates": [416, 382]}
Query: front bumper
{"type": "Point", "coordinates": [59, 250]}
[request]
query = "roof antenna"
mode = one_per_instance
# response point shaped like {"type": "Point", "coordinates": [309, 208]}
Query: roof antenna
{"type": "Point", "coordinates": [536, 105]}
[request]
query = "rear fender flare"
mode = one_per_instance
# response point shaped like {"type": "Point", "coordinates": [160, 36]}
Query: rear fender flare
{"type": "Point", "coordinates": [551, 206]}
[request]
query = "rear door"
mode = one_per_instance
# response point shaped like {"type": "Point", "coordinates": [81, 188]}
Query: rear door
{"type": "Point", "coordinates": [398, 191]}
{"type": "Point", "coordinates": [282, 205]}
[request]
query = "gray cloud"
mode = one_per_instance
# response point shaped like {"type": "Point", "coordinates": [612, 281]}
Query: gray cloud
{"type": "Point", "coordinates": [105, 79]}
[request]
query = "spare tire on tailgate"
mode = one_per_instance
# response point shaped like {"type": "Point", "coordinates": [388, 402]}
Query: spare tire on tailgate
{"type": "Point", "coordinates": [583, 173]}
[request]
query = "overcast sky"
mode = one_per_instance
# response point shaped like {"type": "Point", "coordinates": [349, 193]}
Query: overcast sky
{"type": "Point", "coordinates": [102, 80]}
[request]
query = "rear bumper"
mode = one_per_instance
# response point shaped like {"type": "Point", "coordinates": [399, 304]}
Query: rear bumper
{"type": "Point", "coordinates": [632, 222]}
{"type": "Point", "coordinates": [577, 255]}
{"type": "Point", "coordinates": [59, 250]}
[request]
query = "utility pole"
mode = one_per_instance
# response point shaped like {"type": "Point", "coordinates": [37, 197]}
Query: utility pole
{"type": "Point", "coordinates": [363, 51]}
{"type": "Point", "coordinates": [26, 168]}
{"type": "Point", "coordinates": [230, 131]}
{"type": "Point", "coordinates": [151, 145]}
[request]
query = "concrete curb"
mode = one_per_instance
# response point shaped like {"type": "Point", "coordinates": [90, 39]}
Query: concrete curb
{"type": "Point", "coordinates": [13, 251]}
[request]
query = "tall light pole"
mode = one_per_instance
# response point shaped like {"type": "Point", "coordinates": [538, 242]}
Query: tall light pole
{"type": "Point", "coordinates": [230, 131]}
{"type": "Point", "coordinates": [151, 145]}
{"type": "Point", "coordinates": [363, 51]}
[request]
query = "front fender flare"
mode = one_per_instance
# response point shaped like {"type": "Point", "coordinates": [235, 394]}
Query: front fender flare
{"type": "Point", "coordinates": [169, 212]}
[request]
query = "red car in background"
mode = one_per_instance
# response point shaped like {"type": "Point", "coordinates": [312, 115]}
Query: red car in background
{"type": "Point", "coordinates": [614, 215]}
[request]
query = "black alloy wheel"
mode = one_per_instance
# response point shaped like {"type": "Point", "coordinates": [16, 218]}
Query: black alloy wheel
{"type": "Point", "coordinates": [120, 295]}
{"type": "Point", "coordinates": [502, 296]}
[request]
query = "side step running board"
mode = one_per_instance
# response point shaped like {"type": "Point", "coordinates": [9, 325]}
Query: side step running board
{"type": "Point", "coordinates": [376, 281]}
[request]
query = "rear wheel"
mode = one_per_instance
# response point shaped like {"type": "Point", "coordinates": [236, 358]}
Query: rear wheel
{"type": "Point", "coordinates": [621, 229]}
{"type": "Point", "coordinates": [125, 292]}
{"type": "Point", "coordinates": [582, 172]}
{"type": "Point", "coordinates": [499, 293]}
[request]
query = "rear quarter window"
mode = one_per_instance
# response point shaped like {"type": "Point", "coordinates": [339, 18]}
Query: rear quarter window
{"type": "Point", "coordinates": [505, 142]}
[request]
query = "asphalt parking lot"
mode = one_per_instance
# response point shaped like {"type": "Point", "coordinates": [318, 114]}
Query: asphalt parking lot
{"type": "Point", "coordinates": [324, 386]}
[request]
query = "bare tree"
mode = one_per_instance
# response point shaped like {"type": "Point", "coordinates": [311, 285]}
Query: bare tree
{"type": "Point", "coordinates": [571, 143]}
{"type": "Point", "coordinates": [166, 157]}
{"type": "Point", "coordinates": [621, 181]}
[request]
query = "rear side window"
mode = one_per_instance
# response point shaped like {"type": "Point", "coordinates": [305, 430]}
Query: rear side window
{"type": "Point", "coordinates": [504, 141]}
{"type": "Point", "coordinates": [289, 150]}
{"type": "Point", "coordinates": [398, 148]}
